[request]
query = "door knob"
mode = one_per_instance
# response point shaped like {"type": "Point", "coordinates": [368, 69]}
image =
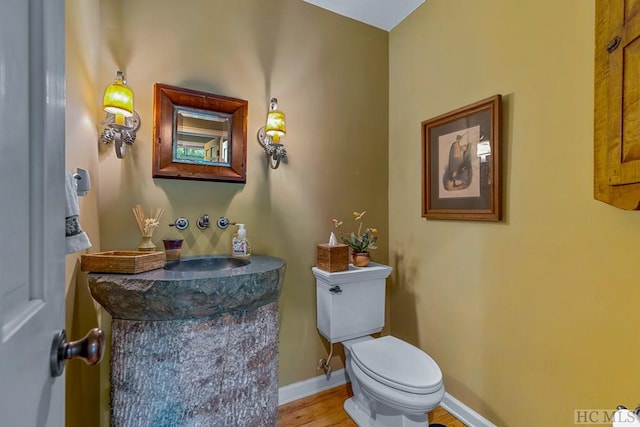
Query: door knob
{"type": "Point", "coordinates": [90, 349]}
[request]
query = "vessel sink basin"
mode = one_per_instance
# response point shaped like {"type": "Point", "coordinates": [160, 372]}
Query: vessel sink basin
{"type": "Point", "coordinates": [196, 287]}
{"type": "Point", "coordinates": [207, 264]}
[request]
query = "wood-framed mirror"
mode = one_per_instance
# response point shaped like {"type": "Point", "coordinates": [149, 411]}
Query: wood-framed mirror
{"type": "Point", "coordinates": [198, 135]}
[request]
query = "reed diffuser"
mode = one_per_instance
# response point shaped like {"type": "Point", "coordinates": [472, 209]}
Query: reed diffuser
{"type": "Point", "coordinates": [147, 225]}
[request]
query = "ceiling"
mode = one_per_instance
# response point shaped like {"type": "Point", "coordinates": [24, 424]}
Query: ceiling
{"type": "Point", "coordinates": [384, 14]}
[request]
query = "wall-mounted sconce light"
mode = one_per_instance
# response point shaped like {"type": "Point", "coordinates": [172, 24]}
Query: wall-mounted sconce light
{"type": "Point", "coordinates": [269, 135]}
{"type": "Point", "coordinates": [122, 122]}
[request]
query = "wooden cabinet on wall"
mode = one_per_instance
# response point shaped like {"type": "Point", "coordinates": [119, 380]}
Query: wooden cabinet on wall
{"type": "Point", "coordinates": [617, 103]}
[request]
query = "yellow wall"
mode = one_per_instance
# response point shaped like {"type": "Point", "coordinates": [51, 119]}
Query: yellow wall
{"type": "Point", "coordinates": [529, 319]}
{"type": "Point", "coordinates": [536, 316]}
{"type": "Point", "coordinates": [86, 386]}
{"type": "Point", "coordinates": [330, 75]}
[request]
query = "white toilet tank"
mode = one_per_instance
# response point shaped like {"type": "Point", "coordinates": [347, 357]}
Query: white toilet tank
{"type": "Point", "coordinates": [350, 303]}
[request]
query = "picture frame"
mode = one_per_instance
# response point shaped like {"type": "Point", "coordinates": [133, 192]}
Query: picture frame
{"type": "Point", "coordinates": [189, 121]}
{"type": "Point", "coordinates": [461, 170]}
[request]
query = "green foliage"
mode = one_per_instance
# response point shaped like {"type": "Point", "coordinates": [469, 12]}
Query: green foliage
{"type": "Point", "coordinates": [190, 153]}
{"type": "Point", "coordinates": [360, 242]}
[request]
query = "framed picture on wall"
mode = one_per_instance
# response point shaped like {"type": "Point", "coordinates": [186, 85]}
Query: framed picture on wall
{"type": "Point", "coordinates": [461, 172]}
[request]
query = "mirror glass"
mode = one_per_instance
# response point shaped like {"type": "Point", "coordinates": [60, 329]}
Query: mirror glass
{"type": "Point", "coordinates": [199, 135]}
{"type": "Point", "coordinates": [202, 137]}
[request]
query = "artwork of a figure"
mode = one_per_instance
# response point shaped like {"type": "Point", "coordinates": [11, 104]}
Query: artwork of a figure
{"type": "Point", "coordinates": [458, 173]}
{"type": "Point", "coordinates": [458, 164]}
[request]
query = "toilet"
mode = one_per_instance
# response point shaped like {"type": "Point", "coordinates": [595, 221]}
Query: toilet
{"type": "Point", "coordinates": [395, 384]}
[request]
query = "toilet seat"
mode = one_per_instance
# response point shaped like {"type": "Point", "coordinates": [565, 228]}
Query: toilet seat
{"type": "Point", "coordinates": [409, 403]}
{"type": "Point", "coordinates": [397, 364]}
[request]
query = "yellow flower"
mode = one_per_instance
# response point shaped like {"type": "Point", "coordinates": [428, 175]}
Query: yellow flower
{"type": "Point", "coordinates": [336, 223]}
{"type": "Point", "coordinates": [358, 241]}
{"type": "Point", "coordinates": [359, 215]}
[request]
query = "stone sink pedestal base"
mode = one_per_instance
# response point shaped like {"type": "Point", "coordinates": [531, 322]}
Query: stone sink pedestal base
{"type": "Point", "coordinates": [196, 372]}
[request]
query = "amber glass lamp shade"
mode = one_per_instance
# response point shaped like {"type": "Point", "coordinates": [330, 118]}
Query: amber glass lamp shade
{"type": "Point", "coordinates": [275, 126]}
{"type": "Point", "coordinates": [118, 98]}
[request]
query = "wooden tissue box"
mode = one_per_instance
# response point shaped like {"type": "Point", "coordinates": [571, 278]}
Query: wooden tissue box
{"type": "Point", "coordinates": [332, 258]}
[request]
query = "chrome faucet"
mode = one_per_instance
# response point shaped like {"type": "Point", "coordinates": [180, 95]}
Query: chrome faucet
{"type": "Point", "coordinates": [181, 223]}
{"type": "Point", "coordinates": [223, 222]}
{"type": "Point", "coordinates": [203, 222]}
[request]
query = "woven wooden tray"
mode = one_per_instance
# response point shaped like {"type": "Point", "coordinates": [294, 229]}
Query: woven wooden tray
{"type": "Point", "coordinates": [128, 262]}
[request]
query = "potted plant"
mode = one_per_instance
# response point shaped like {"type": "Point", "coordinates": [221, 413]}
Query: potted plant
{"type": "Point", "coordinates": [361, 242]}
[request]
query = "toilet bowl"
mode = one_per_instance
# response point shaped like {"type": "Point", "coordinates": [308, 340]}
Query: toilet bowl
{"type": "Point", "coordinates": [394, 383]}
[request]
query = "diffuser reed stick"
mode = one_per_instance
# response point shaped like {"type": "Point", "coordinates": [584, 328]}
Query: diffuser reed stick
{"type": "Point", "coordinates": [147, 224]}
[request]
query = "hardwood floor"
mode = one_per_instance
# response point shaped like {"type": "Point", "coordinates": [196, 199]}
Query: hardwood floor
{"type": "Point", "coordinates": [325, 410]}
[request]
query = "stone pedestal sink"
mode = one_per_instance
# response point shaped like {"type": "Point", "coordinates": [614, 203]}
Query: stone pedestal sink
{"type": "Point", "coordinates": [195, 343]}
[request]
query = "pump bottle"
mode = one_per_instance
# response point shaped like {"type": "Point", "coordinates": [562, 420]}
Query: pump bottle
{"type": "Point", "coordinates": [240, 247]}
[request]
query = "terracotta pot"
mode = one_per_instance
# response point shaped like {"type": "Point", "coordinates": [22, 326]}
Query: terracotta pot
{"type": "Point", "coordinates": [360, 259]}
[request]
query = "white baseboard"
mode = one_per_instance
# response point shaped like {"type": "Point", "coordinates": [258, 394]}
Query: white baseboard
{"type": "Point", "coordinates": [464, 413]}
{"type": "Point", "coordinates": [314, 385]}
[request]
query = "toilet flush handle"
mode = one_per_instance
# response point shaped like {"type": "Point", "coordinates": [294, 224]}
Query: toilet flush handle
{"type": "Point", "coordinates": [335, 290]}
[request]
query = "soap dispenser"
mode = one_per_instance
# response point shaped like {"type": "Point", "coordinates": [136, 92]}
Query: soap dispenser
{"type": "Point", "coordinates": [240, 247]}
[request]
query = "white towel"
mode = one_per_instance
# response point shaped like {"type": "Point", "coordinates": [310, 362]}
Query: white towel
{"type": "Point", "coordinates": [77, 239]}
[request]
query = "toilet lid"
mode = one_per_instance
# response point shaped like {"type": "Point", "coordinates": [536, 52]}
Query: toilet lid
{"type": "Point", "coordinates": [397, 364]}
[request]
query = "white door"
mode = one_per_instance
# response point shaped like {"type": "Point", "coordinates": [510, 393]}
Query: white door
{"type": "Point", "coordinates": [32, 209]}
